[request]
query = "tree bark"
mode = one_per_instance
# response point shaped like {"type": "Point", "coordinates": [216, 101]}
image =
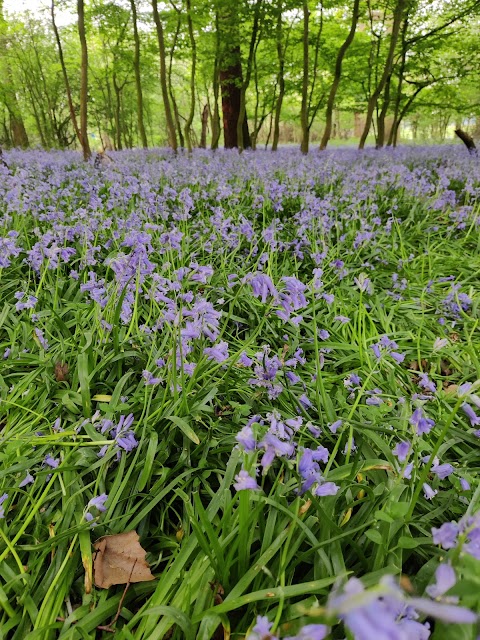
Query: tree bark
{"type": "Point", "coordinates": [171, 93]}
{"type": "Point", "coordinates": [280, 75]}
{"type": "Point", "coordinates": [304, 108]}
{"type": "Point", "coordinates": [383, 114]}
{"type": "Point", "coordinates": [372, 102]}
{"type": "Point", "coordinates": [66, 81]}
{"type": "Point", "coordinates": [216, 87]}
{"type": "Point", "coordinates": [246, 81]}
{"type": "Point", "coordinates": [338, 75]}
{"type": "Point", "coordinates": [467, 141]}
{"type": "Point", "coordinates": [203, 134]}
{"type": "Point", "coordinates": [138, 77]}
{"type": "Point", "coordinates": [83, 81]}
{"type": "Point", "coordinates": [231, 77]}
{"type": "Point", "coordinates": [193, 47]}
{"type": "Point", "coordinates": [17, 126]}
{"type": "Point", "coordinates": [172, 136]}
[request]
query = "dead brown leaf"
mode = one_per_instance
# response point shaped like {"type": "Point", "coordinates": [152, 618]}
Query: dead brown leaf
{"type": "Point", "coordinates": [451, 389]}
{"type": "Point", "coordinates": [446, 368]}
{"type": "Point", "coordinates": [120, 559]}
{"type": "Point", "coordinates": [60, 371]}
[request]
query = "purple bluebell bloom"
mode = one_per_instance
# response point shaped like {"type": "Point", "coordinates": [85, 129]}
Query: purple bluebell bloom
{"type": "Point", "coordinates": [428, 492]}
{"type": "Point", "coordinates": [421, 423]}
{"type": "Point", "coordinates": [98, 502]}
{"type": "Point", "coordinates": [27, 480]}
{"type": "Point", "coordinates": [401, 450]}
{"type": "Point", "coordinates": [2, 500]}
{"type": "Point", "coordinates": [261, 630]}
{"type": "Point", "coordinates": [310, 632]}
{"type": "Point", "coordinates": [446, 536]}
{"type": "Point", "coordinates": [335, 426]}
{"type": "Point", "coordinates": [442, 471]}
{"type": "Point", "coordinates": [471, 415]}
{"type": "Point", "coordinates": [218, 353]}
{"type": "Point", "coordinates": [445, 579]}
{"type": "Point", "coordinates": [244, 481]}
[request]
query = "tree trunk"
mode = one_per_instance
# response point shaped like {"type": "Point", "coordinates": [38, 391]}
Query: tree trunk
{"type": "Point", "coordinates": [372, 102]}
{"type": "Point", "coordinates": [398, 99]}
{"type": "Point", "coordinates": [404, 112]}
{"type": "Point", "coordinates": [68, 91]}
{"type": "Point", "coordinates": [467, 141]}
{"type": "Point", "coordinates": [171, 93]}
{"type": "Point", "coordinates": [118, 120]}
{"type": "Point", "coordinates": [248, 74]}
{"type": "Point", "coordinates": [382, 115]}
{"type": "Point", "coordinates": [280, 76]}
{"type": "Point", "coordinates": [216, 87]}
{"type": "Point", "coordinates": [231, 78]}
{"type": "Point", "coordinates": [138, 77]}
{"type": "Point", "coordinates": [83, 81]}
{"type": "Point", "coordinates": [338, 75]}
{"type": "Point", "coordinates": [304, 108]}
{"type": "Point", "coordinates": [193, 47]}
{"type": "Point", "coordinates": [17, 126]}
{"type": "Point", "coordinates": [172, 137]}
{"type": "Point", "coordinates": [203, 135]}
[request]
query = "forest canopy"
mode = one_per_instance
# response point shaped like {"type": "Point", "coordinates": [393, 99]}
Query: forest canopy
{"type": "Point", "coordinates": [242, 73]}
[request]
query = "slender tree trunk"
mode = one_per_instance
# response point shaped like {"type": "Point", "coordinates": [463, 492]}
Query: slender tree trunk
{"type": "Point", "coordinates": [404, 112]}
{"type": "Point", "coordinates": [193, 48]}
{"type": "Point", "coordinates": [216, 87]}
{"type": "Point", "coordinates": [397, 20]}
{"type": "Point", "coordinates": [203, 134]}
{"type": "Point", "coordinates": [138, 77]}
{"type": "Point", "coordinates": [338, 75]}
{"type": "Point", "coordinates": [171, 93]}
{"type": "Point", "coordinates": [231, 77]}
{"type": "Point", "coordinates": [83, 81]}
{"type": "Point", "coordinates": [17, 126]}
{"type": "Point", "coordinates": [401, 72]}
{"type": "Point", "coordinates": [304, 108]}
{"type": "Point", "coordinates": [246, 81]}
{"type": "Point", "coordinates": [38, 119]}
{"type": "Point", "coordinates": [66, 81]}
{"type": "Point", "coordinates": [172, 136]}
{"type": "Point", "coordinates": [118, 120]}
{"type": "Point", "coordinates": [280, 75]}
{"type": "Point", "coordinates": [383, 114]}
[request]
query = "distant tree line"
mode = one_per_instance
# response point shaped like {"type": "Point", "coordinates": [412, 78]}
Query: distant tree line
{"type": "Point", "coordinates": [188, 73]}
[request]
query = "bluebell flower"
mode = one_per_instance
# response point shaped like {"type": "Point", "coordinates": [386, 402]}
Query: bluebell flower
{"type": "Point", "coordinates": [218, 353]}
{"type": "Point", "coordinates": [335, 426]}
{"type": "Point", "coordinates": [442, 471]}
{"type": "Point", "coordinates": [244, 481]}
{"type": "Point", "coordinates": [401, 450]}
{"type": "Point", "coordinates": [426, 383]}
{"type": "Point", "coordinates": [421, 423]}
{"type": "Point", "coordinates": [446, 535]}
{"type": "Point", "coordinates": [98, 502]}
{"type": "Point", "coordinates": [310, 632]}
{"type": "Point", "coordinates": [471, 415]}
{"type": "Point", "coordinates": [2, 500]}
{"type": "Point", "coordinates": [27, 480]}
{"type": "Point", "coordinates": [261, 630]}
{"type": "Point", "coordinates": [246, 439]}
{"type": "Point", "coordinates": [428, 492]}
{"type": "Point", "coordinates": [445, 579]}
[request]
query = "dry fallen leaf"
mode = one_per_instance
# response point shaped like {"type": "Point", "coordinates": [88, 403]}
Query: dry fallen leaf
{"type": "Point", "coordinates": [60, 371]}
{"type": "Point", "coordinates": [120, 559]}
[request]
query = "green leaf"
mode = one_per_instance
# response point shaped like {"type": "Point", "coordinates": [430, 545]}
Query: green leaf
{"type": "Point", "coordinates": [374, 535]}
{"type": "Point", "coordinates": [185, 428]}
